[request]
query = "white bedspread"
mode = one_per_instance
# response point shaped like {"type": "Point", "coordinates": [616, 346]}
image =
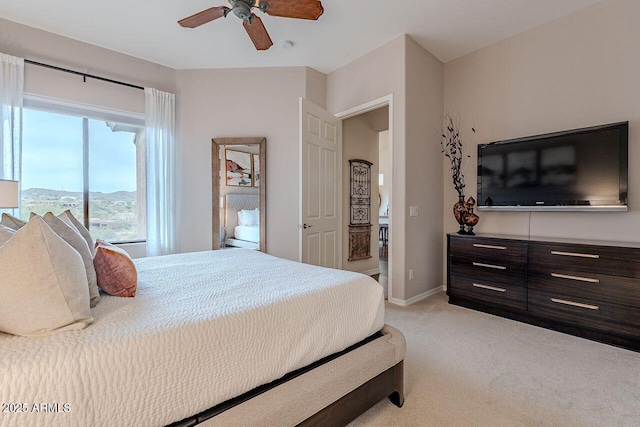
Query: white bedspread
{"type": "Point", "coordinates": [203, 327]}
{"type": "Point", "coordinates": [250, 233]}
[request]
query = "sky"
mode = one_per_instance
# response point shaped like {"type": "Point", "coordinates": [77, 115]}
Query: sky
{"type": "Point", "coordinates": [52, 154]}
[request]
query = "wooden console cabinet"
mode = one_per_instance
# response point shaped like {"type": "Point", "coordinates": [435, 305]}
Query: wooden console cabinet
{"type": "Point", "coordinates": [585, 289]}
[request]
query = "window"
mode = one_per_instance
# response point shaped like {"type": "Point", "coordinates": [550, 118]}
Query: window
{"type": "Point", "coordinates": [72, 159]}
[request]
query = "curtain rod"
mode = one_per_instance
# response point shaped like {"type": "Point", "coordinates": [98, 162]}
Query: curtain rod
{"type": "Point", "coordinates": [84, 75]}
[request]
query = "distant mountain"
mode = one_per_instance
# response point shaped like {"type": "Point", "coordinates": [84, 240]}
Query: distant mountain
{"type": "Point", "coordinates": [48, 194]}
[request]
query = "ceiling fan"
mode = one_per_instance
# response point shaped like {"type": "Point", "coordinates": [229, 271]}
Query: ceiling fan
{"type": "Point", "coordinates": [299, 9]}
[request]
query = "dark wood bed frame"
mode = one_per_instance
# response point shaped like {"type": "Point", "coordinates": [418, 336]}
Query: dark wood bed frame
{"type": "Point", "coordinates": [389, 383]}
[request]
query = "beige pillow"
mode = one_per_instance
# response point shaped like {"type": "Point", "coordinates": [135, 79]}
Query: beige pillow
{"type": "Point", "coordinates": [12, 222]}
{"type": "Point", "coordinates": [43, 284]}
{"type": "Point", "coordinates": [77, 242]}
{"type": "Point", "coordinates": [116, 272]}
{"type": "Point", "coordinates": [5, 234]}
{"type": "Point", "coordinates": [71, 220]}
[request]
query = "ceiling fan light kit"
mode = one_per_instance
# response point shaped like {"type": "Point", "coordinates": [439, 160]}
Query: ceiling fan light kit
{"type": "Point", "coordinates": [298, 9]}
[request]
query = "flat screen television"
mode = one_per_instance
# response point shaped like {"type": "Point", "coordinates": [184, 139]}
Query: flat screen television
{"type": "Point", "coordinates": [581, 169]}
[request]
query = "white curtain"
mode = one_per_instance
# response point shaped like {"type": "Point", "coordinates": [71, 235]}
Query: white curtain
{"type": "Point", "coordinates": [11, 98]}
{"type": "Point", "coordinates": [160, 163]}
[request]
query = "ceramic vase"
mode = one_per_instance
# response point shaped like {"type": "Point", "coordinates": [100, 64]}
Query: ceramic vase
{"type": "Point", "coordinates": [459, 209]}
{"type": "Point", "coordinates": [470, 219]}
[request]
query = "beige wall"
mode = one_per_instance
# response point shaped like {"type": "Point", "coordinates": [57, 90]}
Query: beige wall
{"type": "Point", "coordinates": [414, 77]}
{"type": "Point", "coordinates": [41, 46]}
{"type": "Point", "coordinates": [316, 87]}
{"type": "Point", "coordinates": [580, 70]}
{"type": "Point", "coordinates": [242, 103]}
{"type": "Point", "coordinates": [423, 169]}
{"type": "Point", "coordinates": [360, 141]}
{"type": "Point", "coordinates": [375, 75]}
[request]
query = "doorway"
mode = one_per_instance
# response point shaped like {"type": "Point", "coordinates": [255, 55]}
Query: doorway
{"type": "Point", "coordinates": [366, 135]}
{"type": "Point", "coordinates": [325, 178]}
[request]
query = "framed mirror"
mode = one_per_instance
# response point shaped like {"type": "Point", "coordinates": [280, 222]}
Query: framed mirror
{"type": "Point", "coordinates": [239, 193]}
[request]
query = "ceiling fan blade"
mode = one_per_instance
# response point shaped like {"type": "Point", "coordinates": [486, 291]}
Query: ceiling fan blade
{"type": "Point", "coordinates": [203, 17]}
{"type": "Point", "coordinates": [300, 9]}
{"type": "Point", "coordinates": [258, 33]}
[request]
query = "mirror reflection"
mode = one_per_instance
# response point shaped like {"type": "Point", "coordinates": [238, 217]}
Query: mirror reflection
{"type": "Point", "coordinates": [238, 166]}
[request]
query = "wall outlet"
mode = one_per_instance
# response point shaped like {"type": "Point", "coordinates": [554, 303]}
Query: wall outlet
{"type": "Point", "coordinates": [413, 211]}
{"type": "Point", "coordinates": [411, 274]}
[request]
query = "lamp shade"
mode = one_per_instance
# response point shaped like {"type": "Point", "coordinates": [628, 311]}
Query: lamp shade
{"type": "Point", "coordinates": [9, 194]}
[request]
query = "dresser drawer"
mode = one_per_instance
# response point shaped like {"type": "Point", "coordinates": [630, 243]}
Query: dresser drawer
{"type": "Point", "coordinates": [503, 271]}
{"type": "Point", "coordinates": [608, 260]}
{"type": "Point", "coordinates": [498, 294]}
{"type": "Point", "coordinates": [488, 248]}
{"type": "Point", "coordinates": [595, 286]}
{"type": "Point", "coordinates": [584, 312]}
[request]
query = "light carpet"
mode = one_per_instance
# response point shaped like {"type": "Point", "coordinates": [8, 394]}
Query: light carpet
{"type": "Point", "coordinates": [466, 368]}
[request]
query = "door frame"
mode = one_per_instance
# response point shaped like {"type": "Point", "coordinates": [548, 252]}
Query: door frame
{"type": "Point", "coordinates": [385, 101]}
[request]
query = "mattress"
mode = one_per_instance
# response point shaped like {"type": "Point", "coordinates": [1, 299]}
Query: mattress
{"type": "Point", "coordinates": [250, 233]}
{"type": "Point", "coordinates": [235, 243]}
{"type": "Point", "coordinates": [203, 327]}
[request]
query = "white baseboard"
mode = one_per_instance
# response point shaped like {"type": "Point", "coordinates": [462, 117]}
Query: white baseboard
{"type": "Point", "coordinates": [420, 297]}
{"type": "Point", "coordinates": [371, 272]}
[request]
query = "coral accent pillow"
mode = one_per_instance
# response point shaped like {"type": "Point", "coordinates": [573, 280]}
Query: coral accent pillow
{"type": "Point", "coordinates": [116, 272]}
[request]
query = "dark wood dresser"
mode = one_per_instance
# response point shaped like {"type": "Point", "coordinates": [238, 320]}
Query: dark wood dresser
{"type": "Point", "coordinates": [582, 288]}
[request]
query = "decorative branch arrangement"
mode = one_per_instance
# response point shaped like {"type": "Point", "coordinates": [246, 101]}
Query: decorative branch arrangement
{"type": "Point", "coordinates": [452, 148]}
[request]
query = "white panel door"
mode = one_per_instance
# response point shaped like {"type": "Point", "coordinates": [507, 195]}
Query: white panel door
{"type": "Point", "coordinates": [321, 157]}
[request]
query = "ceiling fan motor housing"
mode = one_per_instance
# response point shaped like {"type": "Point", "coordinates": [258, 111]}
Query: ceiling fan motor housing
{"type": "Point", "coordinates": [242, 8]}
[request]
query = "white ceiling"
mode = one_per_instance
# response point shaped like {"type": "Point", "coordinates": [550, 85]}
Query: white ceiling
{"type": "Point", "coordinates": [347, 29]}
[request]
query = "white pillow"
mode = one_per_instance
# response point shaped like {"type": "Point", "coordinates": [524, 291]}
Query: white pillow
{"type": "Point", "coordinates": [43, 284]}
{"type": "Point", "coordinates": [6, 233]}
{"type": "Point", "coordinates": [72, 236]}
{"type": "Point", "coordinates": [250, 217]}
{"type": "Point", "coordinates": [241, 220]}
{"type": "Point", "coordinates": [71, 220]}
{"type": "Point", "coordinates": [12, 222]}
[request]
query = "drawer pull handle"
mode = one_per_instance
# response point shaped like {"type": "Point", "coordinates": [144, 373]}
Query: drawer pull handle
{"type": "Point", "coordinates": [491, 288]}
{"type": "Point", "coordinates": [581, 279]}
{"type": "Point", "coordinates": [575, 304]}
{"type": "Point", "coordinates": [575, 254]}
{"type": "Point", "coordinates": [496, 267]}
{"type": "Point", "coordinates": [479, 245]}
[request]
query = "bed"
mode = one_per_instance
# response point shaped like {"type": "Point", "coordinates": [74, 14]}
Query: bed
{"type": "Point", "coordinates": [218, 337]}
{"type": "Point", "coordinates": [239, 234]}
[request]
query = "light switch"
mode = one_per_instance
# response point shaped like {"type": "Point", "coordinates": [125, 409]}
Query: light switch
{"type": "Point", "coordinates": [413, 211]}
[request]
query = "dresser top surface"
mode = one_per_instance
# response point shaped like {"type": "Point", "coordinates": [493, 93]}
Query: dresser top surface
{"type": "Point", "coordinates": [559, 240]}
